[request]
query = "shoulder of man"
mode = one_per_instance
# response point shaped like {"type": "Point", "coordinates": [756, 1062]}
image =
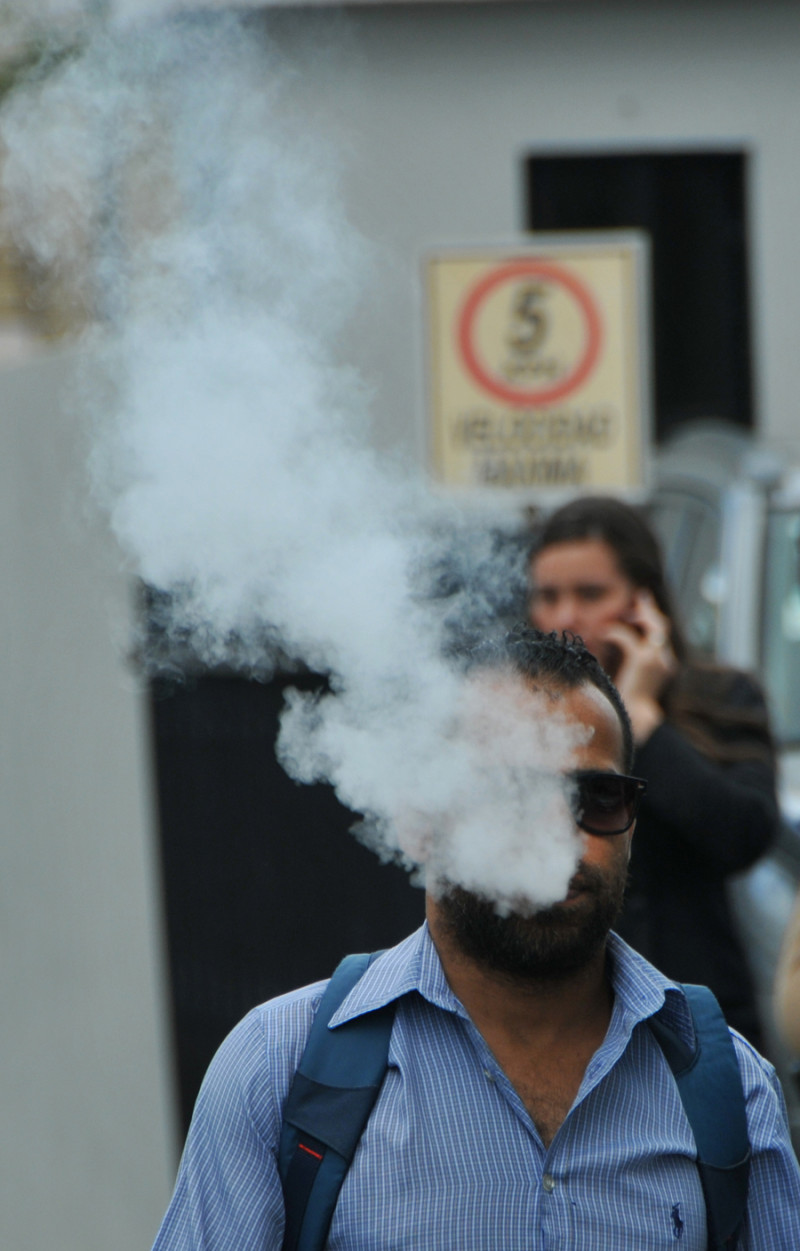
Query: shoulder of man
{"type": "Point", "coordinates": [763, 1094]}
{"type": "Point", "coordinates": [253, 1068]}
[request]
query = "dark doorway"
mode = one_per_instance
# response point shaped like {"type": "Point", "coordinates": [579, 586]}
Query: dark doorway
{"type": "Point", "coordinates": [694, 206]}
{"type": "Point", "coordinates": [265, 888]}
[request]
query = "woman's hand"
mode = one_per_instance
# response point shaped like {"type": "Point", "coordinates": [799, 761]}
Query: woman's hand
{"type": "Point", "coordinates": [646, 662]}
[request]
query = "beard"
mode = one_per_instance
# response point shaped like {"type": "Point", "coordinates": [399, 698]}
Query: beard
{"type": "Point", "coordinates": [547, 945]}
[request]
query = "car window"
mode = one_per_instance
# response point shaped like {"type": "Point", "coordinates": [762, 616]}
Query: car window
{"type": "Point", "coordinates": [780, 630]}
{"type": "Point", "coordinates": [689, 530]}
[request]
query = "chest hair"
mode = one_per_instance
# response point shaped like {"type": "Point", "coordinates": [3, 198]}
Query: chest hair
{"type": "Point", "coordinates": [547, 1087]}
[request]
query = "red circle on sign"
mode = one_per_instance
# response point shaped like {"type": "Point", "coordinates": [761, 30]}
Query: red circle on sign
{"type": "Point", "coordinates": [561, 277]}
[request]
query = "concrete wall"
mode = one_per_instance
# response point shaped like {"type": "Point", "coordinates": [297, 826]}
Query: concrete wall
{"type": "Point", "coordinates": [86, 1137]}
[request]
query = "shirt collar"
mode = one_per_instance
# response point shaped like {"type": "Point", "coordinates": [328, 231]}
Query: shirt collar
{"type": "Point", "coordinates": [639, 989]}
{"type": "Point", "coordinates": [413, 965]}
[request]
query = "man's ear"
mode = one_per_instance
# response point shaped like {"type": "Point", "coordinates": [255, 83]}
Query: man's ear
{"type": "Point", "coordinates": [630, 835]}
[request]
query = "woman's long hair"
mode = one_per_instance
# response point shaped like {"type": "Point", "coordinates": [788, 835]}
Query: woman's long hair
{"type": "Point", "coordinates": [702, 699]}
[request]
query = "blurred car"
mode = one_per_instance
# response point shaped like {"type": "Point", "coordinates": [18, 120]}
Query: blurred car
{"type": "Point", "coordinates": [727, 511]}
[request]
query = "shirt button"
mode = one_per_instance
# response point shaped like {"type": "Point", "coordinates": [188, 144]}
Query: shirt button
{"type": "Point", "coordinates": [489, 1075]}
{"type": "Point", "coordinates": [549, 1183]}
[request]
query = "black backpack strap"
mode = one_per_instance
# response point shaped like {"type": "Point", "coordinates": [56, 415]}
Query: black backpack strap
{"type": "Point", "coordinates": [710, 1087]}
{"type": "Point", "coordinates": [329, 1103]}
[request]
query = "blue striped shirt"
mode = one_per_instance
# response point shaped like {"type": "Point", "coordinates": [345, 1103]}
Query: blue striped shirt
{"type": "Point", "coordinates": [450, 1157]}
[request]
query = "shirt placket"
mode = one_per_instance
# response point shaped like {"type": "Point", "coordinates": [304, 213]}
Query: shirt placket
{"type": "Point", "coordinates": [553, 1209]}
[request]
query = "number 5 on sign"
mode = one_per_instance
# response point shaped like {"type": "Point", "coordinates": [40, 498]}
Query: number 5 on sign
{"type": "Point", "coordinates": [539, 365]}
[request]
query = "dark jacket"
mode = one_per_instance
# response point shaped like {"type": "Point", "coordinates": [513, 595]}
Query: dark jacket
{"type": "Point", "coordinates": [700, 821]}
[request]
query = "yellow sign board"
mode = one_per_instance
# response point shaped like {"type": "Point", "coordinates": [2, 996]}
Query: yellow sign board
{"type": "Point", "coordinates": [539, 364]}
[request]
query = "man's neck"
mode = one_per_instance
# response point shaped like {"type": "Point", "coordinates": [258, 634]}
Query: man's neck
{"type": "Point", "coordinates": [535, 1008]}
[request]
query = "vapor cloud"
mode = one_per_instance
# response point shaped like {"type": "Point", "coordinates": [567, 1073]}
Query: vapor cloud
{"type": "Point", "coordinates": [200, 218]}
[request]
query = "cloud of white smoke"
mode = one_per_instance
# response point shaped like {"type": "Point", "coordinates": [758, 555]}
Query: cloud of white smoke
{"type": "Point", "coordinates": [232, 449]}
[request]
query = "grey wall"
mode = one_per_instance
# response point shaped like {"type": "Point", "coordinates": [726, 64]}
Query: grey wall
{"type": "Point", "coordinates": [86, 1137]}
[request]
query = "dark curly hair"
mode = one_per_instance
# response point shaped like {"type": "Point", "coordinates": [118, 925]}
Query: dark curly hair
{"type": "Point", "coordinates": [561, 659]}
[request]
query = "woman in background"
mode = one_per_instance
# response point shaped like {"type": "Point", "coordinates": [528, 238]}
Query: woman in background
{"type": "Point", "coordinates": [702, 742]}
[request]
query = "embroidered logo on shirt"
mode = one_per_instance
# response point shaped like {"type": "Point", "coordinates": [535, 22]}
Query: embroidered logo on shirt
{"type": "Point", "coordinates": [677, 1222]}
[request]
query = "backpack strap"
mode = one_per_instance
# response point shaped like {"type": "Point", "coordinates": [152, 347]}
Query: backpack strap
{"type": "Point", "coordinates": [710, 1087]}
{"type": "Point", "coordinates": [329, 1103]}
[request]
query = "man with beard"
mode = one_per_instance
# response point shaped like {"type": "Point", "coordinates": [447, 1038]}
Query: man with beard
{"type": "Point", "coordinates": [527, 1101]}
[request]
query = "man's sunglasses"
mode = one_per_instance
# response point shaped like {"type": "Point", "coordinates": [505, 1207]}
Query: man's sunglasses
{"type": "Point", "coordinates": [605, 803]}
